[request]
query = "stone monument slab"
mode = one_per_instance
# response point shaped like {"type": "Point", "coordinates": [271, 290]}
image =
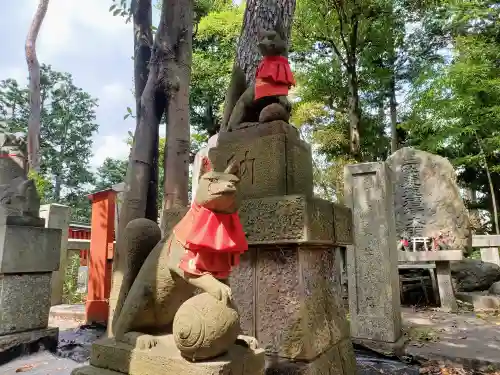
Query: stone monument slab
{"type": "Point", "coordinates": [24, 301]}
{"type": "Point", "coordinates": [29, 249]}
{"type": "Point", "coordinates": [372, 265]}
{"type": "Point", "coordinates": [427, 198]}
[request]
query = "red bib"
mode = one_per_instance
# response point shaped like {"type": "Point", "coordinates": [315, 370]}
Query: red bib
{"type": "Point", "coordinates": [274, 77]}
{"type": "Point", "coordinates": [213, 241]}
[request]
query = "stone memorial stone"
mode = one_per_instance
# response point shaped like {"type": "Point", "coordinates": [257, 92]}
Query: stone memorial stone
{"type": "Point", "coordinates": [427, 198]}
{"type": "Point", "coordinates": [372, 264]}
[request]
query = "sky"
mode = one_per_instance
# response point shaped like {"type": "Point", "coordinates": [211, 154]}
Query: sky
{"type": "Point", "coordinates": [84, 39]}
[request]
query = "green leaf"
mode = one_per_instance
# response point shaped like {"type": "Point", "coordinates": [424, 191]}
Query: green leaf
{"type": "Point", "coordinates": [116, 12]}
{"type": "Point", "coordinates": [126, 116]}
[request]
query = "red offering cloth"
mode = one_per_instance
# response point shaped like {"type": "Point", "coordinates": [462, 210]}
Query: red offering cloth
{"type": "Point", "coordinates": [213, 241]}
{"type": "Point", "coordinates": [274, 77]}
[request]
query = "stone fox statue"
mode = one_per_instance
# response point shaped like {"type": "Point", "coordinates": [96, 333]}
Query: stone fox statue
{"type": "Point", "coordinates": [199, 254]}
{"type": "Point", "coordinates": [273, 79]}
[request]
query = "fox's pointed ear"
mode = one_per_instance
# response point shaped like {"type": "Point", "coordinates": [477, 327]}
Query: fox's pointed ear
{"type": "Point", "coordinates": [233, 168]}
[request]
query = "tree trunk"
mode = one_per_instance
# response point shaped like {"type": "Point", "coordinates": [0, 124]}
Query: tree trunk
{"type": "Point", "coordinates": [176, 167]}
{"type": "Point", "coordinates": [491, 186]}
{"type": "Point", "coordinates": [354, 110]}
{"type": "Point", "coordinates": [259, 14]}
{"type": "Point", "coordinates": [394, 115]}
{"type": "Point", "coordinates": [34, 88]}
{"type": "Point", "coordinates": [143, 43]}
{"type": "Point", "coordinates": [161, 90]}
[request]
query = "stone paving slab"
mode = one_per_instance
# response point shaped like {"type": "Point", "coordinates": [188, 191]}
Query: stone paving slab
{"type": "Point", "coordinates": [465, 339]}
{"type": "Point", "coordinates": [42, 363]}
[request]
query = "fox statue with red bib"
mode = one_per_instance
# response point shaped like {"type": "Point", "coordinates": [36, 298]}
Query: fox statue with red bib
{"type": "Point", "coordinates": [198, 255]}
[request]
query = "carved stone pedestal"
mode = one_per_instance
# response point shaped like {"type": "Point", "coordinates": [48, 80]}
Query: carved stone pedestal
{"type": "Point", "coordinates": [286, 287]}
{"type": "Point", "coordinates": [113, 358]}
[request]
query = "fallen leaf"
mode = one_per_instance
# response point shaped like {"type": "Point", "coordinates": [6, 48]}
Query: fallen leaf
{"type": "Point", "coordinates": [25, 368]}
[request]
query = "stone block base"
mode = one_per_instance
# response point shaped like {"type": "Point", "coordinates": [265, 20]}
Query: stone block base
{"type": "Point", "coordinates": [338, 360]}
{"type": "Point", "coordinates": [25, 249]}
{"type": "Point", "coordinates": [91, 370]}
{"type": "Point", "coordinates": [382, 347]}
{"type": "Point", "coordinates": [118, 357]}
{"type": "Point", "coordinates": [24, 302]}
{"type": "Point", "coordinates": [18, 344]}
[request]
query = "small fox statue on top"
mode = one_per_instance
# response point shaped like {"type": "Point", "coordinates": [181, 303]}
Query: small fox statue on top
{"type": "Point", "coordinates": [266, 100]}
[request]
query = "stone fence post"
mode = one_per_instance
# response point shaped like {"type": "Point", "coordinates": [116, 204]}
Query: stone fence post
{"type": "Point", "coordinates": [57, 216]}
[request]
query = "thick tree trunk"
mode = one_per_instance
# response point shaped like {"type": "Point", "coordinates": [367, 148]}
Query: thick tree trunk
{"type": "Point", "coordinates": [393, 107]}
{"type": "Point", "coordinates": [162, 87]}
{"type": "Point", "coordinates": [143, 43]}
{"type": "Point", "coordinates": [34, 87]}
{"type": "Point", "coordinates": [354, 110]}
{"type": "Point", "coordinates": [259, 14]}
{"type": "Point", "coordinates": [176, 168]}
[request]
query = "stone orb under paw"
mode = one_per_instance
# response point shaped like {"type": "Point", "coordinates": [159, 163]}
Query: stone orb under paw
{"type": "Point", "coordinates": [274, 112]}
{"type": "Point", "coordinates": [205, 328]}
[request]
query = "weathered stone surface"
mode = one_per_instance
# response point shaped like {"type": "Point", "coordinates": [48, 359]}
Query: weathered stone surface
{"type": "Point", "coordinates": [274, 112]}
{"type": "Point", "coordinates": [170, 218]}
{"type": "Point", "coordinates": [18, 195]}
{"type": "Point", "coordinates": [24, 302]}
{"type": "Point", "coordinates": [495, 288]}
{"type": "Point", "coordinates": [427, 198]}
{"type": "Point", "coordinates": [472, 274]}
{"type": "Point", "coordinates": [57, 216]}
{"type": "Point", "coordinates": [165, 359]}
{"type": "Point", "coordinates": [204, 328]}
{"type": "Point", "coordinates": [481, 301]}
{"type": "Point", "coordinates": [372, 264]}
{"type": "Point", "coordinates": [91, 370]}
{"type": "Point", "coordinates": [25, 338]}
{"type": "Point", "coordinates": [445, 285]}
{"type": "Point", "coordinates": [16, 344]}
{"type": "Point", "coordinates": [337, 360]}
{"type": "Point", "coordinates": [29, 249]}
{"type": "Point", "coordinates": [490, 255]}
{"type": "Point", "coordinates": [287, 219]}
{"type": "Point", "coordinates": [290, 300]}
{"type": "Point", "coordinates": [273, 160]}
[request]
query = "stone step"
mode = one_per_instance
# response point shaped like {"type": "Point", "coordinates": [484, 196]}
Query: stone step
{"type": "Point", "coordinates": [68, 312]}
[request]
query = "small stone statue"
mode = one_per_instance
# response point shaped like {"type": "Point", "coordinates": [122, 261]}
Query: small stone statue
{"type": "Point", "coordinates": [266, 100]}
{"type": "Point", "coordinates": [18, 196]}
{"type": "Point", "coordinates": [198, 255]}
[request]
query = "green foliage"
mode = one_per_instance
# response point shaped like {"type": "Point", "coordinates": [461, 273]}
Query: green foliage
{"type": "Point", "coordinates": [214, 49]}
{"type": "Point", "coordinates": [111, 172]}
{"type": "Point", "coordinates": [455, 109]}
{"type": "Point", "coordinates": [70, 285]}
{"type": "Point", "coordinates": [67, 127]}
{"type": "Point", "coordinates": [41, 183]}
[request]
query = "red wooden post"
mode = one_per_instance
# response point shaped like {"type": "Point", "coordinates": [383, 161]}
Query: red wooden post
{"type": "Point", "coordinates": [101, 255]}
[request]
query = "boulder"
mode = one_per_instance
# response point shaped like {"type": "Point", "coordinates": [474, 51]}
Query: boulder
{"type": "Point", "coordinates": [495, 288]}
{"type": "Point", "coordinates": [474, 275]}
{"type": "Point", "coordinates": [427, 199]}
